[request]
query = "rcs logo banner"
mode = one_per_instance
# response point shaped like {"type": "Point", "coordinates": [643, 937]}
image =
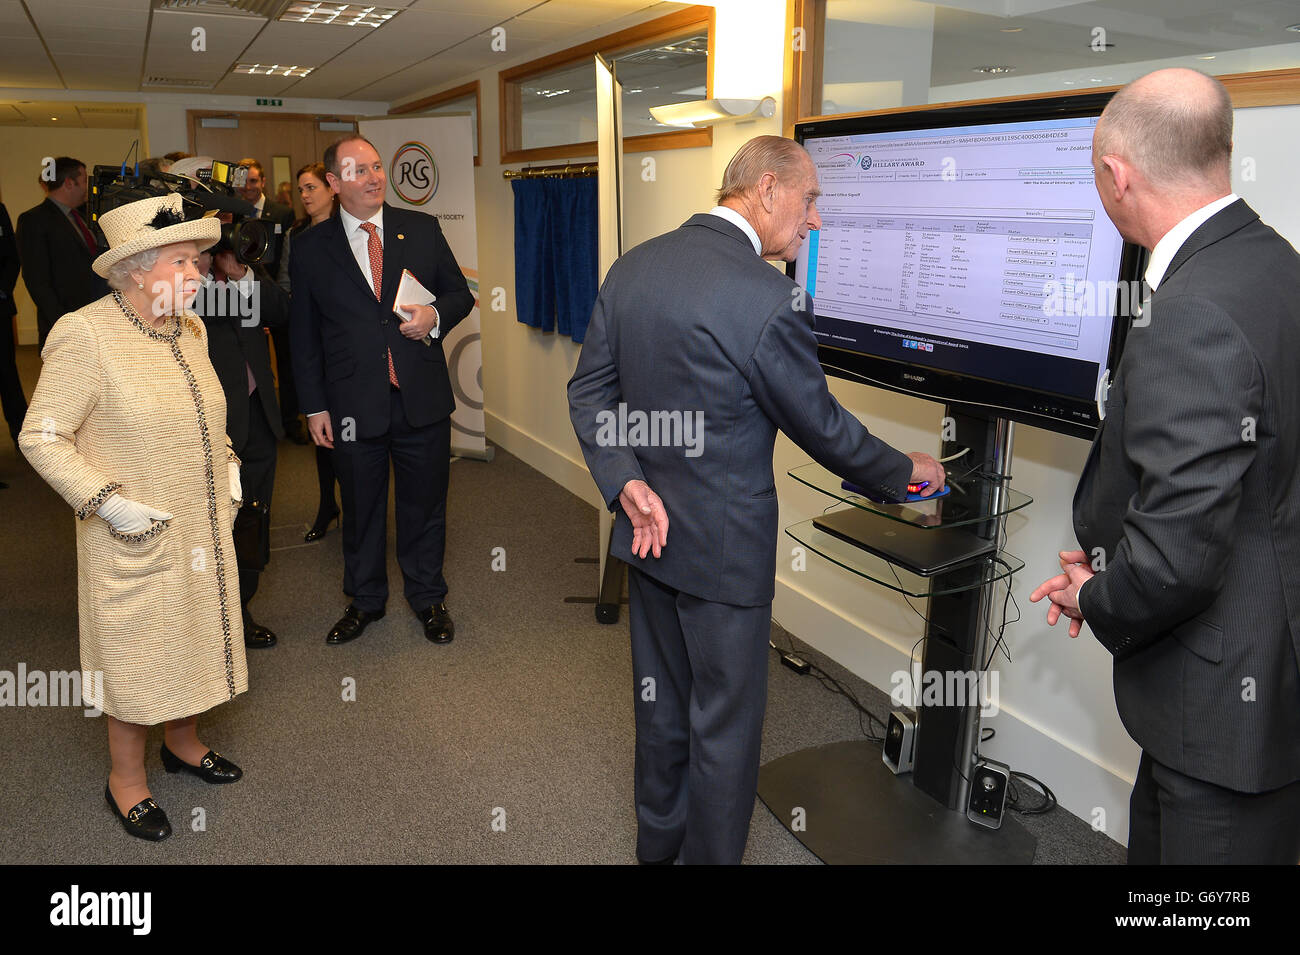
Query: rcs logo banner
{"type": "Point", "coordinates": [413, 173]}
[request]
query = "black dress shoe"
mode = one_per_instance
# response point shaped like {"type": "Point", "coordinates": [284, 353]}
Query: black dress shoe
{"type": "Point", "coordinates": [319, 529]}
{"type": "Point", "coordinates": [213, 768]}
{"type": "Point", "coordinates": [256, 637]}
{"type": "Point", "coordinates": [437, 623]}
{"type": "Point", "coordinates": [145, 820]}
{"type": "Point", "coordinates": [351, 625]}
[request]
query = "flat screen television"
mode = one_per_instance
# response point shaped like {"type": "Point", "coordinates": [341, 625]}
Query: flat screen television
{"type": "Point", "coordinates": [965, 256]}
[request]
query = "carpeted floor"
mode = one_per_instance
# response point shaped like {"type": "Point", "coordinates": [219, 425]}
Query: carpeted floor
{"type": "Point", "coordinates": [525, 719]}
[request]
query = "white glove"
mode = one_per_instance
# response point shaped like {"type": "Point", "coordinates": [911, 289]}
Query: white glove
{"type": "Point", "coordinates": [236, 489]}
{"type": "Point", "coordinates": [128, 517]}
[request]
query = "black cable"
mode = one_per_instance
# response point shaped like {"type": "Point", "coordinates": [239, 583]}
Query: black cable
{"type": "Point", "coordinates": [1013, 796]}
{"type": "Point", "coordinates": [831, 684]}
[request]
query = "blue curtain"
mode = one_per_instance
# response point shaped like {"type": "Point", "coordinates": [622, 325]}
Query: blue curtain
{"type": "Point", "coordinates": [556, 253]}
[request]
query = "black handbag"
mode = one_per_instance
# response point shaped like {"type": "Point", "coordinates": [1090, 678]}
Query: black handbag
{"type": "Point", "coordinates": [252, 533]}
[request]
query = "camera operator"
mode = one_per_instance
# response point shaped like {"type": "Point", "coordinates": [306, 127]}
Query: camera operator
{"type": "Point", "coordinates": [238, 304]}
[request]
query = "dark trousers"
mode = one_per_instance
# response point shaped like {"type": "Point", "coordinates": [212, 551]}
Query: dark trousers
{"type": "Point", "coordinates": [325, 478]}
{"type": "Point", "coordinates": [421, 459]}
{"type": "Point", "coordinates": [11, 387]}
{"type": "Point", "coordinates": [256, 477]}
{"type": "Point", "coordinates": [1177, 820]}
{"type": "Point", "coordinates": [284, 378]}
{"type": "Point", "coordinates": [699, 723]}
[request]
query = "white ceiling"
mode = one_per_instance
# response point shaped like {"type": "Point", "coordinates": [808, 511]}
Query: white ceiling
{"type": "Point", "coordinates": [133, 46]}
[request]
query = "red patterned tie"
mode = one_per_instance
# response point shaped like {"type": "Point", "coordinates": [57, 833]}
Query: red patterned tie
{"type": "Point", "coordinates": [376, 251]}
{"type": "Point", "coordinates": [86, 235]}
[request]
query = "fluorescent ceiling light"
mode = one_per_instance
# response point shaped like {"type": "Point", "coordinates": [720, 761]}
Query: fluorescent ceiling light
{"type": "Point", "coordinates": [273, 69]}
{"type": "Point", "coordinates": [342, 14]}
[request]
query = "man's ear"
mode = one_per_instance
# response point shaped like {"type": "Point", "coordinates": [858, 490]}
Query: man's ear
{"type": "Point", "coordinates": [767, 192]}
{"type": "Point", "coordinates": [1120, 178]}
{"type": "Point", "coordinates": [332, 181]}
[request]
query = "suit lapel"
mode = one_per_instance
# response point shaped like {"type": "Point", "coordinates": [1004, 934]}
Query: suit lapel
{"type": "Point", "coordinates": [341, 252]}
{"type": "Point", "coordinates": [394, 258]}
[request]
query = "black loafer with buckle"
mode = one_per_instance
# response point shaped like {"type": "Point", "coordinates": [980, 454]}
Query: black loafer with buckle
{"type": "Point", "coordinates": [145, 820]}
{"type": "Point", "coordinates": [213, 768]}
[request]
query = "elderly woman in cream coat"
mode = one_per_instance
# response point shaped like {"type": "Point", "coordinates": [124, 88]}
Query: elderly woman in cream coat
{"type": "Point", "coordinates": [127, 424]}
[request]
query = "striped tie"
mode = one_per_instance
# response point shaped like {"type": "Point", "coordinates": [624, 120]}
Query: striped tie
{"type": "Point", "coordinates": [376, 251]}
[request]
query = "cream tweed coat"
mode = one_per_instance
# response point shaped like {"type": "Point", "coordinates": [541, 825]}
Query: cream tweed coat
{"type": "Point", "coordinates": [123, 408]}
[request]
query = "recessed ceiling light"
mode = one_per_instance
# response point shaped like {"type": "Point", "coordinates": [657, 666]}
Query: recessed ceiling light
{"type": "Point", "coordinates": [1012, 29]}
{"type": "Point", "coordinates": [1294, 28]}
{"type": "Point", "coordinates": [1208, 57]}
{"type": "Point", "coordinates": [54, 119]}
{"type": "Point", "coordinates": [274, 69]}
{"type": "Point", "coordinates": [993, 69]}
{"type": "Point", "coordinates": [341, 14]}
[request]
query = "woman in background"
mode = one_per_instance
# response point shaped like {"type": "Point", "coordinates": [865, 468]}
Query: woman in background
{"type": "Point", "coordinates": [320, 202]}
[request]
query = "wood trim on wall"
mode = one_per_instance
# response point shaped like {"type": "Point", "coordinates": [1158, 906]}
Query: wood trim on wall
{"type": "Point", "coordinates": [1265, 88]}
{"type": "Point", "coordinates": [511, 100]}
{"type": "Point", "coordinates": [192, 117]}
{"type": "Point", "coordinates": [446, 96]}
{"type": "Point", "coordinates": [803, 72]}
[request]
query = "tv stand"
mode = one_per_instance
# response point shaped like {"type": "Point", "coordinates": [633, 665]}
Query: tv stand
{"type": "Point", "coordinates": [855, 810]}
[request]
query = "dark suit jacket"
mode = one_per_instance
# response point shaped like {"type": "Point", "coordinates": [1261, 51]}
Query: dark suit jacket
{"type": "Point", "coordinates": [276, 215]}
{"type": "Point", "coordinates": [342, 335]}
{"type": "Point", "coordinates": [231, 344]}
{"type": "Point", "coordinates": [694, 321]}
{"type": "Point", "coordinates": [8, 266]}
{"type": "Point", "coordinates": [1192, 492]}
{"type": "Point", "coordinates": [56, 265]}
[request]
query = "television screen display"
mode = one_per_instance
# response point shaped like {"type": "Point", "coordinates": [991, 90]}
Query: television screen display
{"type": "Point", "coordinates": [964, 255]}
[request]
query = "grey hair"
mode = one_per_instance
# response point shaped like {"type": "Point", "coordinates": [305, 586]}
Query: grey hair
{"type": "Point", "coordinates": [119, 273]}
{"type": "Point", "coordinates": [762, 154]}
{"type": "Point", "coordinates": [1174, 135]}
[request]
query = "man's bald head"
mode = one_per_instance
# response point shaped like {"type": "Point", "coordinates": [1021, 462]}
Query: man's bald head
{"type": "Point", "coordinates": [1174, 127]}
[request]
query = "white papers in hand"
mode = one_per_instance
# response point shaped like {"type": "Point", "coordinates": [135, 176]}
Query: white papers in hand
{"type": "Point", "coordinates": [411, 292]}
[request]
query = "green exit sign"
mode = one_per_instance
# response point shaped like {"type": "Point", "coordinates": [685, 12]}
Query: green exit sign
{"type": "Point", "coordinates": [270, 102]}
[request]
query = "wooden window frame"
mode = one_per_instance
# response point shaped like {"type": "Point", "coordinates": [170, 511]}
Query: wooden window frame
{"type": "Point", "coordinates": [803, 91]}
{"type": "Point", "coordinates": [511, 102]}
{"type": "Point", "coordinates": [446, 96]}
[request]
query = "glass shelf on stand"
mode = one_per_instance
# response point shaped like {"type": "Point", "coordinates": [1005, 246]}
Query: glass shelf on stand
{"type": "Point", "coordinates": [974, 499]}
{"type": "Point", "coordinates": [970, 575]}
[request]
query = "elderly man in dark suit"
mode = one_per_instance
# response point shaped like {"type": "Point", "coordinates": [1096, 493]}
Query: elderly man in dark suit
{"type": "Point", "coordinates": [694, 327]}
{"type": "Point", "coordinates": [375, 386]}
{"type": "Point", "coordinates": [57, 246]}
{"type": "Point", "coordinates": [1188, 510]}
{"type": "Point", "coordinates": [278, 218]}
{"type": "Point", "coordinates": [238, 304]}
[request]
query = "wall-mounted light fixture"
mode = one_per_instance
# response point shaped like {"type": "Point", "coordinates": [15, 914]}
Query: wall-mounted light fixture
{"type": "Point", "coordinates": [706, 112]}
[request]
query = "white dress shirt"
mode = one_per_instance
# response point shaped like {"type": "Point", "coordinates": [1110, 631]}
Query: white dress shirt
{"type": "Point", "coordinates": [736, 219]}
{"type": "Point", "coordinates": [1173, 240]}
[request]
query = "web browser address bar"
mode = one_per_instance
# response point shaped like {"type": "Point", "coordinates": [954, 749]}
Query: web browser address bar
{"type": "Point", "coordinates": [966, 212]}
